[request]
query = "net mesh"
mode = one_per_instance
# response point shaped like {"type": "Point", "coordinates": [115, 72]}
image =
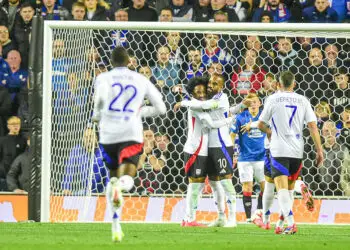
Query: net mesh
{"type": "Point", "coordinates": [250, 62]}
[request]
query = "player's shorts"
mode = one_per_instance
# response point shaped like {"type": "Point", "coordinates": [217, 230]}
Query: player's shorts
{"type": "Point", "coordinates": [220, 161]}
{"type": "Point", "coordinates": [290, 167]}
{"type": "Point", "coordinates": [267, 163]}
{"type": "Point", "coordinates": [195, 165]}
{"type": "Point", "coordinates": [123, 152]}
{"type": "Point", "coordinates": [250, 170]}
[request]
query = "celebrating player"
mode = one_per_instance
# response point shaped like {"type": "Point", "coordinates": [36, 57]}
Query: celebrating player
{"type": "Point", "coordinates": [220, 148]}
{"type": "Point", "coordinates": [119, 95]}
{"type": "Point", "coordinates": [251, 158]}
{"type": "Point", "coordinates": [287, 112]}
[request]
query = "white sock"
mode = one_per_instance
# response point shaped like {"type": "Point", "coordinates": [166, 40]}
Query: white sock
{"type": "Point", "coordinates": [290, 217]}
{"type": "Point", "coordinates": [268, 196]}
{"type": "Point", "coordinates": [193, 191]}
{"type": "Point", "coordinates": [285, 204]}
{"type": "Point", "coordinates": [115, 212]}
{"type": "Point", "coordinates": [297, 187]}
{"type": "Point", "coordinates": [219, 197]}
{"type": "Point", "coordinates": [230, 198]}
{"type": "Point", "coordinates": [126, 183]}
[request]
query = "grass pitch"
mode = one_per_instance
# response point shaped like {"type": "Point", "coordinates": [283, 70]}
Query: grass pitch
{"type": "Point", "coordinates": [76, 236]}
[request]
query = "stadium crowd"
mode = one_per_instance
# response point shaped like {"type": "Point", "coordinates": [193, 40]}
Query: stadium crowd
{"type": "Point", "coordinates": [249, 64]}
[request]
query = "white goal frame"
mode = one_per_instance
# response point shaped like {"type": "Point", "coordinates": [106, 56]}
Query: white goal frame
{"type": "Point", "coordinates": [279, 29]}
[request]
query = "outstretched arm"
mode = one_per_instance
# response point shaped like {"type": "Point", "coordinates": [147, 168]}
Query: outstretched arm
{"type": "Point", "coordinates": [155, 97]}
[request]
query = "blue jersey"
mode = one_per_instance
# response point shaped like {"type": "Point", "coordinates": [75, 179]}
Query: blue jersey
{"type": "Point", "coordinates": [251, 144]}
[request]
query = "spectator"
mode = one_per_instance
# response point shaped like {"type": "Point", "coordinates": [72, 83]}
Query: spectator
{"type": "Point", "coordinates": [140, 11]}
{"type": "Point", "coordinates": [133, 63]}
{"type": "Point", "coordinates": [5, 109]}
{"type": "Point", "coordinates": [313, 77]}
{"type": "Point", "coordinates": [11, 146]}
{"type": "Point", "coordinates": [4, 20]}
{"type": "Point", "coordinates": [279, 11]}
{"type": "Point", "coordinates": [303, 46]}
{"type": "Point", "coordinates": [286, 57]}
{"type": "Point", "coordinates": [215, 68]}
{"type": "Point", "coordinates": [195, 65]}
{"type": "Point", "coordinates": [173, 41]}
{"type": "Point", "coordinates": [249, 76]}
{"type": "Point", "coordinates": [345, 175]}
{"type": "Point", "coordinates": [121, 37]}
{"type": "Point", "coordinates": [332, 61]}
{"type": "Point", "coordinates": [212, 53]}
{"type": "Point", "coordinates": [96, 10]}
{"type": "Point", "coordinates": [296, 8]}
{"type": "Point", "coordinates": [166, 74]}
{"type": "Point", "coordinates": [240, 7]}
{"type": "Point", "coordinates": [166, 15]}
{"type": "Point", "coordinates": [6, 42]}
{"type": "Point", "coordinates": [323, 113]}
{"type": "Point", "coordinates": [4, 68]}
{"type": "Point", "coordinates": [253, 42]}
{"type": "Point", "coordinates": [23, 109]}
{"type": "Point", "coordinates": [345, 127]}
{"type": "Point", "coordinates": [17, 79]}
{"type": "Point", "coordinates": [13, 7]}
{"type": "Point", "coordinates": [149, 175]}
{"type": "Point", "coordinates": [340, 7]}
{"type": "Point", "coordinates": [78, 12]}
{"type": "Point", "coordinates": [53, 11]}
{"type": "Point", "coordinates": [147, 72]}
{"type": "Point", "coordinates": [266, 17]}
{"type": "Point", "coordinates": [18, 177]}
{"type": "Point", "coordinates": [78, 167]}
{"type": "Point", "coordinates": [201, 11]}
{"type": "Point", "coordinates": [22, 30]}
{"type": "Point", "coordinates": [321, 12]}
{"type": "Point", "coordinates": [220, 5]}
{"type": "Point", "coordinates": [340, 96]}
{"type": "Point", "coordinates": [182, 11]}
{"type": "Point", "coordinates": [329, 173]}
{"type": "Point", "coordinates": [269, 85]}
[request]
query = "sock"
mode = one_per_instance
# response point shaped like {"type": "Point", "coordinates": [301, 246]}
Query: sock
{"type": "Point", "coordinates": [230, 198]}
{"type": "Point", "coordinates": [267, 200]}
{"type": "Point", "coordinates": [247, 203]}
{"type": "Point", "coordinates": [290, 217]}
{"type": "Point", "coordinates": [193, 191]}
{"type": "Point", "coordinates": [126, 183]}
{"type": "Point", "coordinates": [297, 187]}
{"type": "Point", "coordinates": [280, 221]}
{"type": "Point", "coordinates": [260, 204]}
{"type": "Point", "coordinates": [285, 203]}
{"type": "Point", "coordinates": [219, 197]}
{"type": "Point", "coordinates": [114, 211]}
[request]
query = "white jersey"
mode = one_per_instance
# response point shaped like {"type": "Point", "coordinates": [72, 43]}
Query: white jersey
{"type": "Point", "coordinates": [288, 112]}
{"type": "Point", "coordinates": [197, 138]}
{"type": "Point", "coordinates": [119, 95]}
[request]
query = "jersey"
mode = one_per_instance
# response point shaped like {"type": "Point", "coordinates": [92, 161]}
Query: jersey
{"type": "Point", "coordinates": [251, 143]}
{"type": "Point", "coordinates": [288, 112]}
{"type": "Point", "coordinates": [197, 139]}
{"type": "Point", "coordinates": [119, 95]}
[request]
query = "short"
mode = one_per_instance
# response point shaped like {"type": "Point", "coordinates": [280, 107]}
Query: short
{"type": "Point", "coordinates": [124, 152]}
{"type": "Point", "coordinates": [220, 161]}
{"type": "Point", "coordinates": [267, 163]}
{"type": "Point", "coordinates": [290, 167]}
{"type": "Point", "coordinates": [195, 165]}
{"type": "Point", "coordinates": [250, 170]}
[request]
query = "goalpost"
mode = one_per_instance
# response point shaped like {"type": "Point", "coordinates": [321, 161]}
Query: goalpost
{"type": "Point", "coordinates": [73, 174]}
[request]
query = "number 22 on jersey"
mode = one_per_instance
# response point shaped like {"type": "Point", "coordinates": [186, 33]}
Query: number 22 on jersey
{"type": "Point", "coordinates": [120, 103]}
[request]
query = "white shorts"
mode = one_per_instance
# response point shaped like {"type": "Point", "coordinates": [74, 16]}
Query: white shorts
{"type": "Point", "coordinates": [251, 169]}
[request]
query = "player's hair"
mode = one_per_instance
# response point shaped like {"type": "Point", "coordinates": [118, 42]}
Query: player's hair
{"type": "Point", "coordinates": [287, 79]}
{"type": "Point", "coordinates": [195, 81]}
{"type": "Point", "coordinates": [120, 57]}
{"type": "Point", "coordinates": [252, 95]}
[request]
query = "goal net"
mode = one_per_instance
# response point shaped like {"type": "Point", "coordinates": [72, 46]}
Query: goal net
{"type": "Point", "coordinates": [249, 56]}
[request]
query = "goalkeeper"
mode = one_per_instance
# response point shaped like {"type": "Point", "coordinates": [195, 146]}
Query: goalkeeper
{"type": "Point", "coordinates": [119, 95]}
